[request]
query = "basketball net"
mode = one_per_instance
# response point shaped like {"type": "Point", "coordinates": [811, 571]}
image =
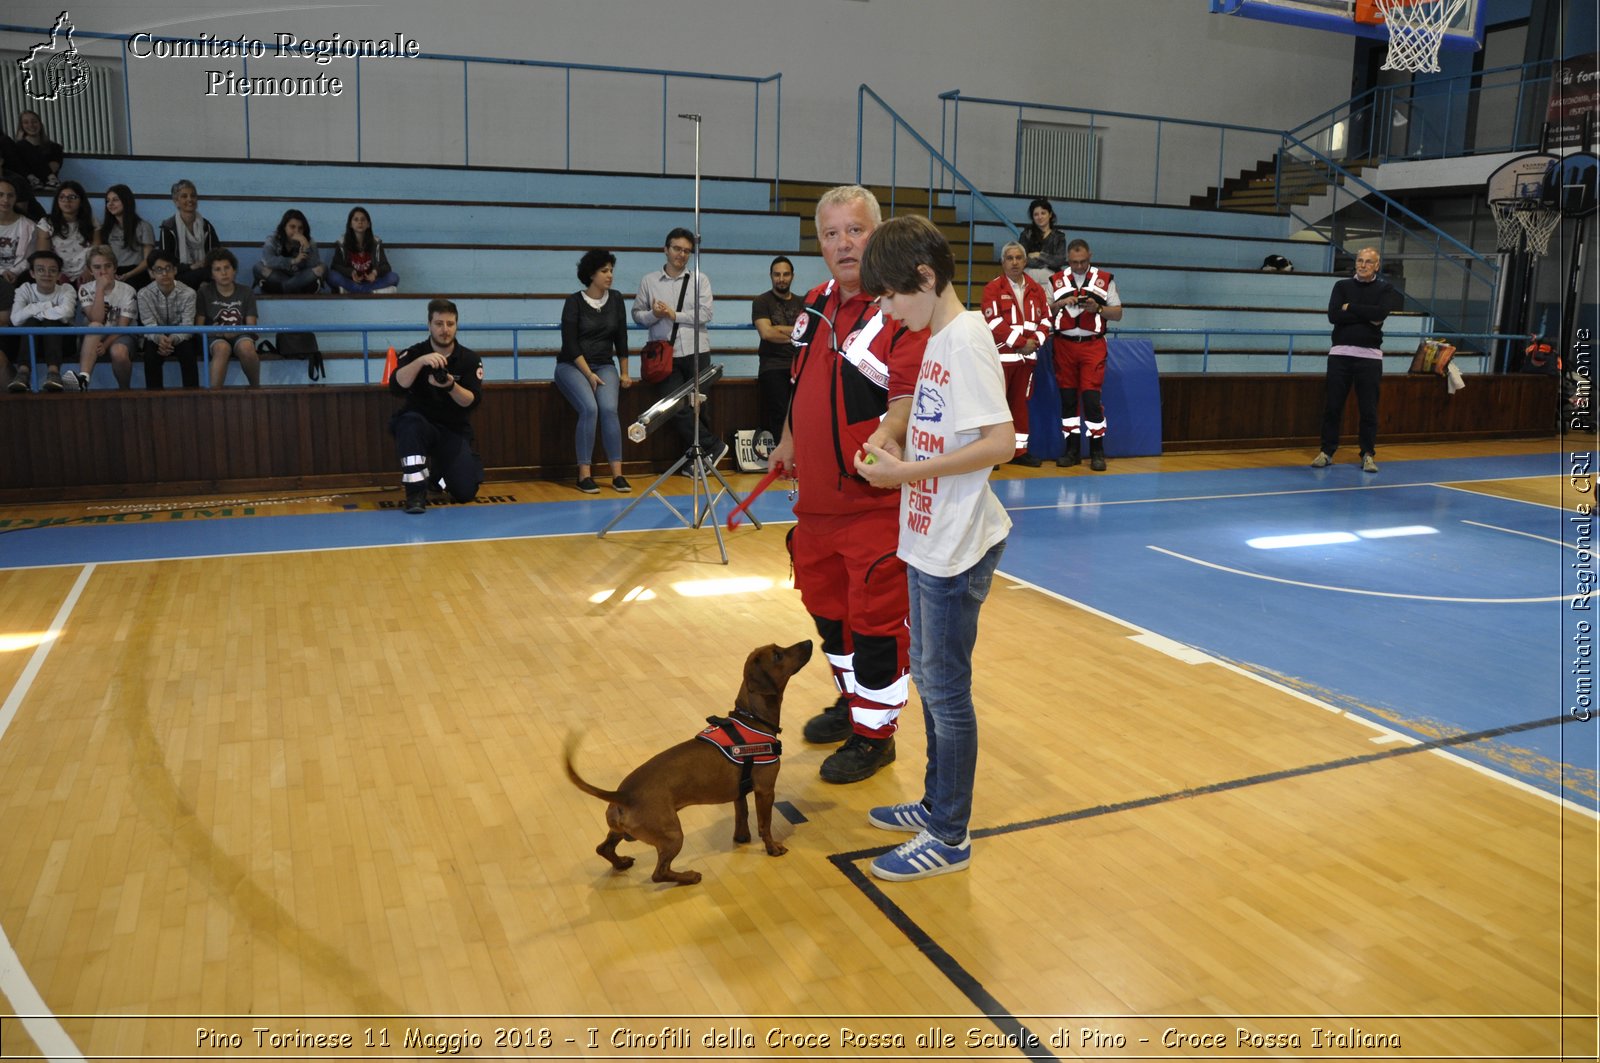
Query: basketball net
{"type": "Point", "coordinates": [1524, 223]}
{"type": "Point", "coordinates": [1415, 32]}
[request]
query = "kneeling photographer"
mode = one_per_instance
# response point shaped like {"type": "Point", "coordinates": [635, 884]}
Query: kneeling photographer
{"type": "Point", "coordinates": [442, 382]}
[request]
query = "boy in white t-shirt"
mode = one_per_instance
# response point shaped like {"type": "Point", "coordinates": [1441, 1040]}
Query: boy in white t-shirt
{"type": "Point", "coordinates": [44, 304]}
{"type": "Point", "coordinates": [939, 445]}
{"type": "Point", "coordinates": [112, 303]}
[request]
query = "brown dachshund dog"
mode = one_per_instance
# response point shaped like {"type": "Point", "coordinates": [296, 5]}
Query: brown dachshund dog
{"type": "Point", "coordinates": [645, 806]}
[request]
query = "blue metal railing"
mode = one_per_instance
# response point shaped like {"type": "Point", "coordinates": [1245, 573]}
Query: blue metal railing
{"type": "Point", "coordinates": [938, 169]}
{"type": "Point", "coordinates": [468, 62]}
{"type": "Point", "coordinates": [1399, 231]}
{"type": "Point", "coordinates": [370, 358]}
{"type": "Point", "coordinates": [1428, 119]}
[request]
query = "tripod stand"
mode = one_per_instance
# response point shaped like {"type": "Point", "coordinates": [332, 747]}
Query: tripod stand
{"type": "Point", "coordinates": [701, 470]}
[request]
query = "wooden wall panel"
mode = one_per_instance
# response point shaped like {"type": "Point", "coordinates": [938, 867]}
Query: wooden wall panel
{"type": "Point", "coordinates": [111, 443]}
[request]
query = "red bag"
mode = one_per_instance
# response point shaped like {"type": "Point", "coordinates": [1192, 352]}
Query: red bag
{"type": "Point", "coordinates": [655, 361]}
{"type": "Point", "coordinates": [655, 358]}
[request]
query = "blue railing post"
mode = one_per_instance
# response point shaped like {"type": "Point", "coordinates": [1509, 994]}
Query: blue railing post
{"type": "Point", "coordinates": [516, 353]}
{"type": "Point", "coordinates": [567, 124]}
{"type": "Point", "coordinates": [755, 146]}
{"type": "Point", "coordinates": [1156, 198]}
{"type": "Point", "coordinates": [466, 118]}
{"type": "Point", "coordinates": [663, 123]}
{"type": "Point", "coordinates": [366, 360]}
{"type": "Point", "coordinates": [127, 95]}
{"type": "Point", "coordinates": [1222, 140]}
{"type": "Point", "coordinates": [247, 110]}
{"type": "Point", "coordinates": [358, 108]}
{"type": "Point", "coordinates": [777, 156]}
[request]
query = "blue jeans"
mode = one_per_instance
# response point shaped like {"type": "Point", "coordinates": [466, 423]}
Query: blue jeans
{"type": "Point", "coordinates": [944, 628]}
{"type": "Point", "coordinates": [593, 404]}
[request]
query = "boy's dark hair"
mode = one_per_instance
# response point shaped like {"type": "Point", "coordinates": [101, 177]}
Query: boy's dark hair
{"type": "Point", "coordinates": [1078, 244]}
{"type": "Point", "coordinates": [442, 306]}
{"type": "Point", "coordinates": [221, 254]}
{"type": "Point", "coordinates": [159, 255]}
{"type": "Point", "coordinates": [46, 253]}
{"type": "Point", "coordinates": [781, 258]}
{"type": "Point", "coordinates": [593, 262]}
{"type": "Point", "coordinates": [679, 233]}
{"type": "Point", "coordinates": [895, 251]}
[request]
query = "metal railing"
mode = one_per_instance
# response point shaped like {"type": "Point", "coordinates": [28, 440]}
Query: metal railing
{"type": "Point", "coordinates": [940, 169]}
{"type": "Point", "coordinates": [468, 64]}
{"type": "Point", "coordinates": [371, 359]}
{"type": "Point", "coordinates": [1487, 111]}
{"type": "Point", "coordinates": [1461, 280]}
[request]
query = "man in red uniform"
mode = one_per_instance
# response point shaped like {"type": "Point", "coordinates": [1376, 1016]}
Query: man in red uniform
{"type": "Point", "coordinates": [1018, 313]}
{"type": "Point", "coordinates": [1084, 298]}
{"type": "Point", "coordinates": [855, 375]}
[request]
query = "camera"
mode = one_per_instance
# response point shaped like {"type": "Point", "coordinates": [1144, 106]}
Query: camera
{"type": "Point", "coordinates": [440, 376]}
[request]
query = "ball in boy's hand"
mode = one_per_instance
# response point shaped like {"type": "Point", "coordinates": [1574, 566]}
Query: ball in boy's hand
{"type": "Point", "coordinates": [869, 459]}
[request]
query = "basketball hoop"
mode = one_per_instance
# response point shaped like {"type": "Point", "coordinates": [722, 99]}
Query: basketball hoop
{"type": "Point", "coordinates": [1415, 32]}
{"type": "Point", "coordinates": [1527, 223]}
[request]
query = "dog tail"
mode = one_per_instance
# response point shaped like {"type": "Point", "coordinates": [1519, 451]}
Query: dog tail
{"type": "Point", "coordinates": [573, 739]}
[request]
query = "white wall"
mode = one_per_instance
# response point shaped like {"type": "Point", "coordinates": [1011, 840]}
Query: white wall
{"type": "Point", "coordinates": [1168, 57]}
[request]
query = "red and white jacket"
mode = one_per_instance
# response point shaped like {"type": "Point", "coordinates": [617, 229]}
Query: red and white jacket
{"type": "Point", "coordinates": [1013, 323]}
{"type": "Point", "coordinates": [1097, 282]}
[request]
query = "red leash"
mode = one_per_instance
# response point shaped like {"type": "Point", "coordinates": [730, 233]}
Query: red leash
{"type": "Point", "coordinates": [766, 482]}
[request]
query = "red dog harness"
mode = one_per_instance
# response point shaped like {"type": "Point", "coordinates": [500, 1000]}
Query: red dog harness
{"type": "Point", "coordinates": [744, 745]}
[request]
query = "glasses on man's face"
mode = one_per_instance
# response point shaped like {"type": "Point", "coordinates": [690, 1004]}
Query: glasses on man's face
{"type": "Point", "coordinates": [679, 249]}
{"type": "Point", "coordinates": [158, 270]}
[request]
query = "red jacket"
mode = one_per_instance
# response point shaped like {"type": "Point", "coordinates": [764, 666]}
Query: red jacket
{"type": "Point", "coordinates": [1013, 324]}
{"type": "Point", "coordinates": [843, 387]}
{"type": "Point", "coordinates": [1096, 281]}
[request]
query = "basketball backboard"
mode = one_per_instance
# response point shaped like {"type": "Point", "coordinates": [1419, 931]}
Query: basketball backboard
{"type": "Point", "coordinates": [1523, 177]}
{"type": "Point", "coordinates": [1464, 33]}
{"type": "Point", "coordinates": [1569, 185]}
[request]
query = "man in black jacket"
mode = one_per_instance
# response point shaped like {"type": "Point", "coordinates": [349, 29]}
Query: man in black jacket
{"type": "Point", "coordinates": [1357, 310]}
{"type": "Point", "coordinates": [442, 382]}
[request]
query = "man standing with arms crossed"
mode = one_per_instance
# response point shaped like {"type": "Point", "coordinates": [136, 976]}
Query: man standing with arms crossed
{"type": "Point", "coordinates": [855, 375]}
{"type": "Point", "coordinates": [1018, 314]}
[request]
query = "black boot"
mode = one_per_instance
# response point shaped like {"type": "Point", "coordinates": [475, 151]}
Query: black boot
{"type": "Point", "coordinates": [1097, 454]}
{"type": "Point", "coordinates": [832, 724]}
{"type": "Point", "coordinates": [1072, 455]}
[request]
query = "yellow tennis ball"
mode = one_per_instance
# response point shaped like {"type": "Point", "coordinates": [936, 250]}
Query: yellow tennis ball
{"type": "Point", "coordinates": [870, 459]}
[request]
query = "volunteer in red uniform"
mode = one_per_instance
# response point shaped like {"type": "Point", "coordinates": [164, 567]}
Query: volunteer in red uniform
{"type": "Point", "coordinates": [855, 375]}
{"type": "Point", "coordinates": [1018, 313]}
{"type": "Point", "coordinates": [1084, 298]}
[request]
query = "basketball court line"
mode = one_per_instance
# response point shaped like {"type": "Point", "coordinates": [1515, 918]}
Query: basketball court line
{"type": "Point", "coordinates": [1513, 531]}
{"type": "Point", "coordinates": [1355, 590]}
{"type": "Point", "coordinates": [1029, 1043]}
{"type": "Point", "coordinates": [30, 1008]}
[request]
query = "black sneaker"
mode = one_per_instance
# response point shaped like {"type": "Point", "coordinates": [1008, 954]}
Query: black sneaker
{"type": "Point", "coordinates": [715, 454]}
{"type": "Point", "coordinates": [19, 379]}
{"type": "Point", "coordinates": [621, 485]}
{"type": "Point", "coordinates": [831, 725]}
{"type": "Point", "coordinates": [1027, 461]}
{"type": "Point", "coordinates": [588, 486]}
{"type": "Point", "coordinates": [416, 503]}
{"type": "Point", "coordinates": [859, 758]}
{"type": "Point", "coordinates": [52, 381]}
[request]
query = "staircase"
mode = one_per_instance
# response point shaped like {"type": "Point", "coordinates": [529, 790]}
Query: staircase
{"type": "Point", "coordinates": [1255, 191]}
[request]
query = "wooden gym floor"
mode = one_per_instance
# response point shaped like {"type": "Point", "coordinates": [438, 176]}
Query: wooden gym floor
{"type": "Point", "coordinates": [317, 792]}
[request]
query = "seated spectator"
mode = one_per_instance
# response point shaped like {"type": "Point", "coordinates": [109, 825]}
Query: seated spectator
{"type": "Point", "coordinates": [167, 301]}
{"type": "Point", "coordinates": [69, 232]}
{"type": "Point", "coordinates": [128, 235]}
{"type": "Point", "coordinates": [290, 263]}
{"type": "Point", "coordinates": [108, 301]}
{"type": "Point", "coordinates": [187, 237]}
{"type": "Point", "coordinates": [43, 303]}
{"type": "Point", "coordinates": [16, 241]}
{"type": "Point", "coordinates": [221, 302]}
{"type": "Point", "coordinates": [592, 368]}
{"type": "Point", "coordinates": [359, 264]}
{"type": "Point", "coordinates": [38, 157]}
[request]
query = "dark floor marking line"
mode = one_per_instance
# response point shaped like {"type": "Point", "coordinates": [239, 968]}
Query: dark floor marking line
{"type": "Point", "coordinates": [972, 988]}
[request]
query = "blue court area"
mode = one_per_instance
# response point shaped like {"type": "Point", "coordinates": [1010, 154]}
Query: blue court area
{"type": "Point", "coordinates": [1433, 610]}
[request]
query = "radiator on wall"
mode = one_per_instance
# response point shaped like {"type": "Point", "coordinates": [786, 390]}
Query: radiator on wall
{"type": "Point", "coordinates": [1057, 161]}
{"type": "Point", "coordinates": [84, 122]}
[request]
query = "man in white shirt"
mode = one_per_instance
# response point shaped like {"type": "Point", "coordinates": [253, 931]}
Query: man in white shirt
{"type": "Point", "coordinates": [674, 303]}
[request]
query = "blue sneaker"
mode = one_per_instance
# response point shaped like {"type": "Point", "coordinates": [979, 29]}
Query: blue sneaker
{"type": "Point", "coordinates": [910, 816]}
{"type": "Point", "coordinates": [923, 857]}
